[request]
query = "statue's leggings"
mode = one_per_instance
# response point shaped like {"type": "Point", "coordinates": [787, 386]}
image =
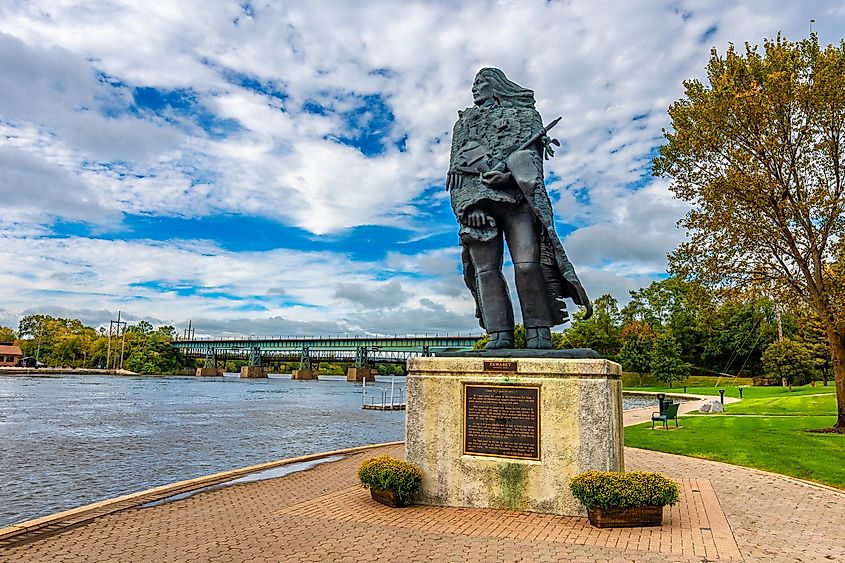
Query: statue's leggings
{"type": "Point", "coordinates": [518, 227]}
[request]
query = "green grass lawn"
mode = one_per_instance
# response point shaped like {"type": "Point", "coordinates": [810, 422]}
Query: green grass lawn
{"type": "Point", "coordinates": [747, 392]}
{"type": "Point", "coordinates": [798, 405]}
{"type": "Point", "coordinates": [772, 439]}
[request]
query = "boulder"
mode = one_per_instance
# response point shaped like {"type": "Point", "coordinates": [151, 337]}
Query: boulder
{"type": "Point", "coordinates": [712, 406]}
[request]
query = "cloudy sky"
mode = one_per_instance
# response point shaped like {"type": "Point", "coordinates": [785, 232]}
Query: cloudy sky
{"type": "Point", "coordinates": [277, 167]}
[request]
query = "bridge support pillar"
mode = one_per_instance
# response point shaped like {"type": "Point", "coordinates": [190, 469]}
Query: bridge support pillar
{"type": "Point", "coordinates": [360, 374]}
{"type": "Point", "coordinates": [209, 372]}
{"type": "Point", "coordinates": [254, 371]}
{"type": "Point", "coordinates": [304, 374]}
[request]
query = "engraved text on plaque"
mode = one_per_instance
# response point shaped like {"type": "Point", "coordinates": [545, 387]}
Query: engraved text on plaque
{"type": "Point", "coordinates": [502, 421]}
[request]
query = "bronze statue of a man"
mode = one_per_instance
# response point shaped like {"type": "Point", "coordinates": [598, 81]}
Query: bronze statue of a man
{"type": "Point", "coordinates": [496, 183]}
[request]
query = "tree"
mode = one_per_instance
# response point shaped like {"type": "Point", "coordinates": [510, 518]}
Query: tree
{"type": "Point", "coordinates": [637, 343]}
{"type": "Point", "coordinates": [600, 332]}
{"type": "Point", "coordinates": [7, 334]}
{"type": "Point", "coordinates": [811, 335]}
{"type": "Point", "coordinates": [677, 304]}
{"type": "Point", "coordinates": [736, 335]}
{"type": "Point", "coordinates": [666, 364]}
{"type": "Point", "coordinates": [758, 152]}
{"type": "Point", "coordinates": [31, 326]}
{"type": "Point", "coordinates": [150, 352]}
{"type": "Point", "coordinates": [143, 327]}
{"type": "Point", "coordinates": [788, 360]}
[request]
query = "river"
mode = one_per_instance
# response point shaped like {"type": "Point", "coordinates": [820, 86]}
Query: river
{"type": "Point", "coordinates": [74, 439]}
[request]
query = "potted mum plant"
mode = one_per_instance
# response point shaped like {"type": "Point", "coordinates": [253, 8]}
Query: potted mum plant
{"type": "Point", "coordinates": [623, 500]}
{"type": "Point", "coordinates": [391, 481]}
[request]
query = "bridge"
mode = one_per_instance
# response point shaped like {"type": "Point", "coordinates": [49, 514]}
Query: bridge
{"type": "Point", "coordinates": [363, 351]}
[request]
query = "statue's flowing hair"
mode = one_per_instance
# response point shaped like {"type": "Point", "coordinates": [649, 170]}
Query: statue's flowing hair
{"type": "Point", "coordinates": [507, 92]}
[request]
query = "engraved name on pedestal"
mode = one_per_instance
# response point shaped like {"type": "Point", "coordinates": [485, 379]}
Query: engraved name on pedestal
{"type": "Point", "coordinates": [502, 421]}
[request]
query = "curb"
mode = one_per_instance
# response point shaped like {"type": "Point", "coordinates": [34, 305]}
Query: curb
{"type": "Point", "coordinates": [67, 518]}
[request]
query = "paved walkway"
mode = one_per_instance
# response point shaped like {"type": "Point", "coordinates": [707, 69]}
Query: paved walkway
{"type": "Point", "coordinates": [727, 513]}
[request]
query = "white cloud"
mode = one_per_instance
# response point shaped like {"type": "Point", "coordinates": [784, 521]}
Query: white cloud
{"type": "Point", "coordinates": [73, 146]}
{"type": "Point", "coordinates": [171, 283]}
{"type": "Point", "coordinates": [372, 295]}
{"type": "Point", "coordinates": [37, 187]}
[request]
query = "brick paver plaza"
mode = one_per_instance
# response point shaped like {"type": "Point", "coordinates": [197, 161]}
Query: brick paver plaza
{"type": "Point", "coordinates": [322, 514]}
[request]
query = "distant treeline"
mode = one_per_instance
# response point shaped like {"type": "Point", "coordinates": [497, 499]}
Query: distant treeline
{"type": "Point", "coordinates": [673, 328]}
{"type": "Point", "coordinates": [60, 342]}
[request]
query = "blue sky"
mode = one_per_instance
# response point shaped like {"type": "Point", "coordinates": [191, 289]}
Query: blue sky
{"type": "Point", "coordinates": [276, 169]}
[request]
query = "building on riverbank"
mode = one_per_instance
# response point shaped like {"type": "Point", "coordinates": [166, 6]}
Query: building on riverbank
{"type": "Point", "coordinates": [10, 354]}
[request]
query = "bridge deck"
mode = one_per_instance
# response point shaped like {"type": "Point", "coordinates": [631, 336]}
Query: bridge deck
{"type": "Point", "coordinates": [346, 342]}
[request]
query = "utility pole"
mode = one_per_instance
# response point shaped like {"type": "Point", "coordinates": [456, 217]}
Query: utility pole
{"type": "Point", "coordinates": [115, 326]}
{"type": "Point", "coordinates": [38, 349]}
{"type": "Point", "coordinates": [121, 327]}
{"type": "Point", "coordinates": [188, 333]}
{"type": "Point", "coordinates": [108, 349]}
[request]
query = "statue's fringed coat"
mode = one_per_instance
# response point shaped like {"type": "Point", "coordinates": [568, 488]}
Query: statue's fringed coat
{"type": "Point", "coordinates": [501, 130]}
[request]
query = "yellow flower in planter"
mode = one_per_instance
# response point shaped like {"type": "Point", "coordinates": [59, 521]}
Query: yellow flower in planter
{"type": "Point", "coordinates": [608, 489]}
{"type": "Point", "coordinates": [615, 499]}
{"type": "Point", "coordinates": [385, 473]}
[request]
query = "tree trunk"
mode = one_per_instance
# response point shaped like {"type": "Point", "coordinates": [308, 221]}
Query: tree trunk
{"type": "Point", "coordinates": [837, 356]}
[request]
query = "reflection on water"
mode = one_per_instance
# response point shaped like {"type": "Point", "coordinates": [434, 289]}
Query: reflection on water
{"type": "Point", "coordinates": [71, 440]}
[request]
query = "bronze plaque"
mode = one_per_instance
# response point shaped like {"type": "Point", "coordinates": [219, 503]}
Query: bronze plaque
{"type": "Point", "coordinates": [502, 421]}
{"type": "Point", "coordinates": [500, 366]}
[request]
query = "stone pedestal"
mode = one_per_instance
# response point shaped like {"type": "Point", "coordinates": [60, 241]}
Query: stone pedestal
{"type": "Point", "coordinates": [254, 371]}
{"type": "Point", "coordinates": [209, 372]}
{"type": "Point", "coordinates": [303, 374]}
{"type": "Point", "coordinates": [360, 374]}
{"type": "Point", "coordinates": [575, 407]}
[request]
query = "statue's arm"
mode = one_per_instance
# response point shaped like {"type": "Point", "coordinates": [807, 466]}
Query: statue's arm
{"type": "Point", "coordinates": [537, 126]}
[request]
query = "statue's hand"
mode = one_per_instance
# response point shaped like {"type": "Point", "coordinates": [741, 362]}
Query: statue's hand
{"type": "Point", "coordinates": [479, 218]}
{"type": "Point", "coordinates": [548, 151]}
{"type": "Point", "coordinates": [454, 181]}
{"type": "Point", "coordinates": [495, 178]}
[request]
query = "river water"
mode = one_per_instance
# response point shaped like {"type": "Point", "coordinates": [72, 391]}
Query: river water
{"type": "Point", "coordinates": [74, 439]}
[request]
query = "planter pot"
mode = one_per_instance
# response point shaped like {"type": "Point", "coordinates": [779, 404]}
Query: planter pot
{"type": "Point", "coordinates": [389, 498]}
{"type": "Point", "coordinates": [632, 517]}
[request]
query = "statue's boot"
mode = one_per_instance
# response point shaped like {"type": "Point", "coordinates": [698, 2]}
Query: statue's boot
{"type": "Point", "coordinates": [500, 339]}
{"type": "Point", "coordinates": [496, 308]}
{"type": "Point", "coordinates": [539, 338]}
{"type": "Point", "coordinates": [534, 300]}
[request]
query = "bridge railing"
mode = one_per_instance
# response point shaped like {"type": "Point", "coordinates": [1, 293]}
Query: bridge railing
{"type": "Point", "coordinates": [339, 336]}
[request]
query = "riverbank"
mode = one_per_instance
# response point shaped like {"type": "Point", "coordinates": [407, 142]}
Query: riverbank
{"type": "Point", "coordinates": [63, 371]}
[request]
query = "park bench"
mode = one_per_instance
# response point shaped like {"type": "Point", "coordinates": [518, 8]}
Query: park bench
{"type": "Point", "coordinates": [670, 414]}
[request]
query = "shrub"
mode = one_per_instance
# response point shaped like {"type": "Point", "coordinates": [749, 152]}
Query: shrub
{"type": "Point", "coordinates": [607, 489]}
{"type": "Point", "coordinates": [390, 474]}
